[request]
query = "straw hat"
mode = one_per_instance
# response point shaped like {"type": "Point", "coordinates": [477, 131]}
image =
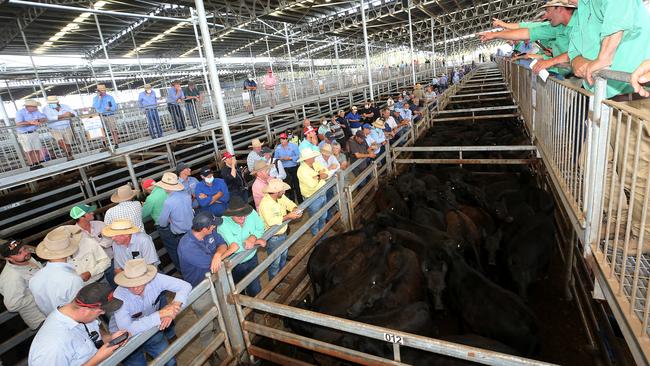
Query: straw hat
{"type": "Point", "coordinates": [31, 103]}
{"type": "Point", "coordinates": [123, 194]}
{"type": "Point", "coordinates": [52, 99]}
{"type": "Point", "coordinates": [379, 123]}
{"type": "Point", "coordinates": [562, 3]}
{"type": "Point", "coordinates": [260, 165]}
{"type": "Point", "coordinates": [147, 86]}
{"type": "Point", "coordinates": [120, 227]}
{"type": "Point", "coordinates": [61, 242]}
{"type": "Point", "coordinates": [327, 148]}
{"type": "Point", "coordinates": [101, 87]}
{"type": "Point", "coordinates": [256, 143]}
{"type": "Point", "coordinates": [237, 207]}
{"type": "Point", "coordinates": [308, 154]}
{"type": "Point", "coordinates": [275, 186]}
{"type": "Point", "coordinates": [169, 182]}
{"type": "Point", "coordinates": [136, 273]}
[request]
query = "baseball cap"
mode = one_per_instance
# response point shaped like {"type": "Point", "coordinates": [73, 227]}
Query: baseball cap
{"type": "Point", "coordinates": [180, 167]}
{"type": "Point", "coordinates": [284, 136]}
{"type": "Point", "coordinates": [147, 183]}
{"type": "Point", "coordinates": [360, 134]}
{"type": "Point", "coordinates": [205, 171]}
{"type": "Point", "coordinates": [308, 130]}
{"type": "Point", "coordinates": [367, 125]}
{"type": "Point", "coordinates": [98, 296]}
{"type": "Point", "coordinates": [205, 219]}
{"type": "Point", "coordinates": [227, 155]}
{"type": "Point", "coordinates": [80, 210]}
{"type": "Point", "coordinates": [10, 247]}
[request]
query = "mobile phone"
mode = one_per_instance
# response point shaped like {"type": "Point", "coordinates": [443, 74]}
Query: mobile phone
{"type": "Point", "coordinates": [119, 339]}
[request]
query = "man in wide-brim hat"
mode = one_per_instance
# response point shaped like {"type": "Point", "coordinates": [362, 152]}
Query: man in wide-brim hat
{"type": "Point", "coordinates": [28, 119]}
{"type": "Point", "coordinates": [126, 207]}
{"type": "Point", "coordinates": [261, 171]}
{"type": "Point", "coordinates": [90, 261]}
{"type": "Point", "coordinates": [58, 282]}
{"type": "Point", "coordinates": [243, 227]}
{"type": "Point", "coordinates": [141, 288]}
{"type": "Point", "coordinates": [255, 154]}
{"type": "Point", "coordinates": [58, 116]}
{"type": "Point", "coordinates": [129, 243]}
{"type": "Point", "coordinates": [276, 209]}
{"type": "Point", "coordinates": [312, 177]}
{"type": "Point", "coordinates": [176, 216]}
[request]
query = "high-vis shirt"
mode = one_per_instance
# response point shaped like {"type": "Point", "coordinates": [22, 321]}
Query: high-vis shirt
{"type": "Point", "coordinates": [309, 179]}
{"type": "Point", "coordinates": [273, 211]}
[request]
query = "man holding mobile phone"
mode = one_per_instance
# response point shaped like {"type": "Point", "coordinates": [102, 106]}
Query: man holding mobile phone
{"type": "Point", "coordinates": [106, 106]}
{"type": "Point", "coordinates": [71, 335]}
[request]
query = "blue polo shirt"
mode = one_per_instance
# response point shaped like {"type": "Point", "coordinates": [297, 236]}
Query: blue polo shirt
{"type": "Point", "coordinates": [147, 101]}
{"type": "Point", "coordinates": [173, 96]}
{"type": "Point", "coordinates": [218, 185]}
{"type": "Point", "coordinates": [100, 103]}
{"type": "Point", "coordinates": [353, 116]}
{"type": "Point", "coordinates": [24, 115]}
{"type": "Point", "coordinates": [195, 256]}
{"type": "Point", "coordinates": [290, 151]}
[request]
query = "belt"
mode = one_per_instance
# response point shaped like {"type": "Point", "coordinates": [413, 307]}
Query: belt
{"type": "Point", "coordinates": [626, 97]}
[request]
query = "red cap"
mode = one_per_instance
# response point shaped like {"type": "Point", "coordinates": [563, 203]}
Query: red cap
{"type": "Point", "coordinates": [308, 130]}
{"type": "Point", "coordinates": [283, 135]}
{"type": "Point", "coordinates": [148, 183]}
{"type": "Point", "coordinates": [227, 155]}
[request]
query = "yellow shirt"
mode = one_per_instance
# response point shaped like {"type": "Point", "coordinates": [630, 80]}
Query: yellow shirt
{"type": "Point", "coordinates": [308, 179]}
{"type": "Point", "coordinates": [273, 211]}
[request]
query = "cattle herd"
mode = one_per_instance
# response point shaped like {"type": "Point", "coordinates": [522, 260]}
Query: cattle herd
{"type": "Point", "coordinates": [446, 243]}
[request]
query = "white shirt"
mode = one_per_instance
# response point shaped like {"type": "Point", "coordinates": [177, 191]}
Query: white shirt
{"type": "Point", "coordinates": [131, 210]}
{"type": "Point", "coordinates": [90, 257]}
{"type": "Point", "coordinates": [55, 285]}
{"type": "Point", "coordinates": [62, 341]}
{"type": "Point", "coordinates": [96, 227]}
{"type": "Point", "coordinates": [326, 163]}
{"type": "Point", "coordinates": [53, 117]}
{"type": "Point", "coordinates": [14, 288]}
{"type": "Point", "coordinates": [390, 121]}
{"type": "Point", "coordinates": [141, 246]}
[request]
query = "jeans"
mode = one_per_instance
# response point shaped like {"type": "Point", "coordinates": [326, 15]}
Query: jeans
{"type": "Point", "coordinates": [292, 180]}
{"type": "Point", "coordinates": [271, 245]}
{"type": "Point", "coordinates": [318, 203]}
{"type": "Point", "coordinates": [177, 116]}
{"type": "Point", "coordinates": [109, 275]}
{"type": "Point", "coordinates": [153, 346]}
{"type": "Point", "coordinates": [153, 120]}
{"type": "Point", "coordinates": [241, 270]}
{"type": "Point", "coordinates": [190, 106]}
{"type": "Point", "coordinates": [170, 242]}
{"type": "Point", "coordinates": [328, 196]}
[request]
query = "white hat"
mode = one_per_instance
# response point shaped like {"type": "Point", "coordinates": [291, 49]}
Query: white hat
{"type": "Point", "coordinates": [308, 154]}
{"type": "Point", "coordinates": [136, 273]}
{"type": "Point", "coordinates": [169, 182]}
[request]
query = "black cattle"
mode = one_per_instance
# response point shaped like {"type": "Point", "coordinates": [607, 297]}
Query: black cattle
{"type": "Point", "coordinates": [389, 198]}
{"type": "Point", "coordinates": [410, 187]}
{"type": "Point", "coordinates": [485, 308]}
{"type": "Point", "coordinates": [425, 215]}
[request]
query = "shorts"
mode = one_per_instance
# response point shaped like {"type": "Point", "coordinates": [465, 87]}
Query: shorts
{"type": "Point", "coordinates": [64, 134]}
{"type": "Point", "coordinates": [30, 141]}
{"type": "Point", "coordinates": [110, 122]}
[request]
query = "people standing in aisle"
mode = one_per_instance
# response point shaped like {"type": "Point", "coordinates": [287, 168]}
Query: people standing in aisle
{"type": "Point", "coordinates": [287, 152]}
{"type": "Point", "coordinates": [176, 216]}
{"type": "Point", "coordinates": [274, 209]}
{"type": "Point", "coordinates": [255, 154]}
{"type": "Point", "coordinates": [261, 172]}
{"type": "Point", "coordinates": [57, 283]}
{"type": "Point", "coordinates": [106, 106]}
{"type": "Point", "coordinates": [58, 121]}
{"type": "Point", "coordinates": [149, 103]}
{"type": "Point", "coordinates": [126, 207]}
{"type": "Point", "coordinates": [28, 120]}
{"type": "Point", "coordinates": [176, 96]}
{"type": "Point", "coordinates": [212, 193]}
{"type": "Point", "coordinates": [142, 289]}
{"type": "Point", "coordinates": [19, 268]}
{"type": "Point", "coordinates": [251, 87]}
{"type": "Point", "coordinates": [193, 102]}
{"type": "Point", "coordinates": [269, 86]}
{"type": "Point", "coordinates": [129, 243]}
{"type": "Point", "coordinates": [234, 176]}
{"type": "Point", "coordinates": [312, 177]}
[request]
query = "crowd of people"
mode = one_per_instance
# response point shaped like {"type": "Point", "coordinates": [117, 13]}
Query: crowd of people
{"type": "Point", "coordinates": [107, 270]}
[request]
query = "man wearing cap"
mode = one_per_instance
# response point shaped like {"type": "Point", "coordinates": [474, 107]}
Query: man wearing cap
{"type": "Point", "coordinates": [129, 243]}
{"type": "Point", "coordinates": [186, 179]}
{"type": "Point", "coordinates": [275, 208]}
{"type": "Point", "coordinates": [153, 205]}
{"type": "Point", "coordinates": [149, 104]}
{"type": "Point", "coordinates": [261, 172]}
{"type": "Point", "coordinates": [269, 86]}
{"type": "Point", "coordinates": [141, 288]}
{"type": "Point", "coordinates": [234, 176]}
{"type": "Point", "coordinates": [57, 283]}
{"type": "Point", "coordinates": [193, 99]}
{"type": "Point", "coordinates": [242, 228]}
{"type": "Point", "coordinates": [255, 154]}
{"type": "Point", "coordinates": [91, 228]}
{"type": "Point", "coordinates": [251, 87]}
{"type": "Point", "coordinates": [71, 334]}
{"type": "Point", "coordinates": [287, 152]}
{"type": "Point", "coordinates": [354, 120]}
{"type": "Point", "coordinates": [311, 177]}
{"type": "Point", "coordinates": [310, 141]}
{"type": "Point", "coordinates": [374, 146]}
{"type": "Point", "coordinates": [328, 139]}
{"type": "Point", "coordinates": [27, 121]}
{"type": "Point", "coordinates": [19, 268]}
{"type": "Point", "coordinates": [366, 113]}
{"type": "Point", "coordinates": [212, 193]}
{"type": "Point", "coordinates": [359, 149]}
{"type": "Point", "coordinates": [175, 97]}
{"type": "Point", "coordinates": [58, 117]}
{"type": "Point", "coordinates": [126, 207]}
{"type": "Point", "coordinates": [176, 216]}
{"type": "Point", "coordinates": [106, 106]}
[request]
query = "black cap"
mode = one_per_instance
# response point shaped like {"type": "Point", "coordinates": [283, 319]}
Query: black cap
{"type": "Point", "coordinates": [205, 219]}
{"type": "Point", "coordinates": [97, 296]}
{"type": "Point", "coordinates": [10, 247]}
{"type": "Point", "coordinates": [180, 167]}
{"type": "Point", "coordinates": [205, 171]}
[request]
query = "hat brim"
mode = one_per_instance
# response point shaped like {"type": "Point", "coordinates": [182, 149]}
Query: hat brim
{"type": "Point", "coordinates": [285, 187]}
{"type": "Point", "coordinates": [170, 187]}
{"type": "Point", "coordinates": [255, 171]}
{"type": "Point", "coordinates": [242, 211]}
{"type": "Point", "coordinates": [112, 306]}
{"type": "Point", "coordinates": [44, 253]}
{"type": "Point", "coordinates": [260, 145]}
{"type": "Point", "coordinates": [108, 232]}
{"type": "Point", "coordinates": [117, 199]}
{"type": "Point", "coordinates": [122, 280]}
{"type": "Point", "coordinates": [378, 125]}
{"type": "Point", "coordinates": [312, 155]}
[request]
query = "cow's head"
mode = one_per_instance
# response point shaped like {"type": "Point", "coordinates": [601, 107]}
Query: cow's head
{"type": "Point", "coordinates": [492, 245]}
{"type": "Point", "coordinates": [370, 292]}
{"type": "Point", "coordinates": [501, 211]}
{"type": "Point", "coordinates": [435, 268]}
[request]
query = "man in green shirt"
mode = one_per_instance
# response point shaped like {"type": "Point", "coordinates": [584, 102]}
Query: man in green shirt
{"type": "Point", "coordinates": [243, 227]}
{"type": "Point", "coordinates": [554, 34]}
{"type": "Point", "coordinates": [153, 205]}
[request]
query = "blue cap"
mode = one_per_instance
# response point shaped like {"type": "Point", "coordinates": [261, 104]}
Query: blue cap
{"type": "Point", "coordinates": [368, 126]}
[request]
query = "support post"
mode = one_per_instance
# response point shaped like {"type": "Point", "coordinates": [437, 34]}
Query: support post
{"type": "Point", "coordinates": [410, 45]}
{"type": "Point", "coordinates": [108, 60]}
{"type": "Point", "coordinates": [433, 49]}
{"type": "Point", "coordinates": [205, 73]}
{"type": "Point", "coordinates": [293, 77]}
{"type": "Point", "coordinates": [338, 63]}
{"type": "Point", "coordinates": [137, 56]}
{"type": "Point", "coordinates": [268, 50]}
{"type": "Point", "coordinates": [229, 311]}
{"type": "Point", "coordinates": [365, 43]}
{"type": "Point", "coordinates": [445, 43]}
{"type": "Point", "coordinates": [170, 155]}
{"type": "Point", "coordinates": [214, 76]}
{"type": "Point", "coordinates": [31, 59]}
{"type": "Point", "coordinates": [217, 153]}
{"type": "Point", "coordinates": [343, 200]}
{"type": "Point", "coordinates": [129, 166]}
